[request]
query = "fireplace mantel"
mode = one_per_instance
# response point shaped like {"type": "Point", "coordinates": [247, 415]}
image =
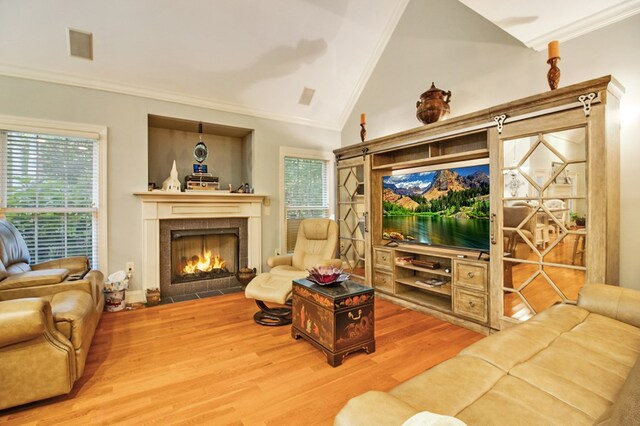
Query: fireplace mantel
{"type": "Point", "coordinates": [161, 205]}
{"type": "Point", "coordinates": [201, 197]}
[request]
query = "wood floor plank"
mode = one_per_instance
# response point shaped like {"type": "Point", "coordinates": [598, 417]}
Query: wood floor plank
{"type": "Point", "coordinates": [207, 362]}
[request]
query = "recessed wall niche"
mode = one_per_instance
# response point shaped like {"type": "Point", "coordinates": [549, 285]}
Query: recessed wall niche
{"type": "Point", "coordinates": [174, 139]}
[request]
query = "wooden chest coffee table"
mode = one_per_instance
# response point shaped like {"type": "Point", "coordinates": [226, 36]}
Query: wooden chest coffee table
{"type": "Point", "coordinates": [337, 319]}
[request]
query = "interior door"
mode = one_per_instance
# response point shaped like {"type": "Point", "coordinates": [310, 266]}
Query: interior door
{"type": "Point", "coordinates": [539, 190]}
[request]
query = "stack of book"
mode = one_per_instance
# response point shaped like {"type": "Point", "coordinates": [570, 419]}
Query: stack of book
{"type": "Point", "coordinates": [432, 282]}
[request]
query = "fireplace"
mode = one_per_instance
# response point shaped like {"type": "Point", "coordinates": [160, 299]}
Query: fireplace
{"type": "Point", "coordinates": [200, 256]}
{"type": "Point", "coordinates": [204, 254]}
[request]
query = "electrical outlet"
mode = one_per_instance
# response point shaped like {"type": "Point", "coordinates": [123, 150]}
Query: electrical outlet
{"type": "Point", "coordinates": [278, 252]}
{"type": "Point", "coordinates": [129, 267]}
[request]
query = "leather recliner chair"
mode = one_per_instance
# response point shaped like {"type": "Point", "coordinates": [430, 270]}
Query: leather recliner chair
{"type": "Point", "coordinates": [316, 244]}
{"type": "Point", "coordinates": [48, 316]}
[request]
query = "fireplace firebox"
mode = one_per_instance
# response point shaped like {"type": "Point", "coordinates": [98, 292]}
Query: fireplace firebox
{"type": "Point", "coordinates": [201, 256]}
{"type": "Point", "coordinates": [204, 254]}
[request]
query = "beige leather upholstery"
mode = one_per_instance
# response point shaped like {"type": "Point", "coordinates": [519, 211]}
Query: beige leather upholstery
{"type": "Point", "coordinates": [268, 288]}
{"type": "Point", "coordinates": [34, 278]}
{"type": "Point", "coordinates": [567, 365]}
{"type": "Point", "coordinates": [47, 321]}
{"type": "Point", "coordinates": [316, 244]}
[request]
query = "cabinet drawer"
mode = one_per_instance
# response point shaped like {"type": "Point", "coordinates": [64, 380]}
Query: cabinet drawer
{"type": "Point", "coordinates": [470, 304]}
{"type": "Point", "coordinates": [472, 275]}
{"type": "Point", "coordinates": [383, 281]}
{"type": "Point", "coordinates": [382, 259]}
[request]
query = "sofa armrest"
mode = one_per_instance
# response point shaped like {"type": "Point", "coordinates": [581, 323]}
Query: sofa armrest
{"type": "Point", "coordinates": [22, 320]}
{"type": "Point", "coordinates": [622, 304]}
{"type": "Point", "coordinates": [374, 408]}
{"type": "Point", "coordinates": [284, 260]}
{"type": "Point", "coordinates": [36, 360]}
{"type": "Point", "coordinates": [96, 282]}
{"type": "Point", "coordinates": [73, 264]}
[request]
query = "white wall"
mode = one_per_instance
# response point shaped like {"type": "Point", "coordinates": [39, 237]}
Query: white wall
{"type": "Point", "coordinates": [445, 42]}
{"type": "Point", "coordinates": [126, 119]}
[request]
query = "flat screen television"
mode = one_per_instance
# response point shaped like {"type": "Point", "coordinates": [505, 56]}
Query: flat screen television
{"type": "Point", "coordinates": [447, 205]}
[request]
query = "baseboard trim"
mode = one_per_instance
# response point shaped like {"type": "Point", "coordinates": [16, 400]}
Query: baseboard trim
{"type": "Point", "coordinates": [134, 296]}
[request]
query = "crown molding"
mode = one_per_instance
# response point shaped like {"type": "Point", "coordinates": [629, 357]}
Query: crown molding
{"type": "Point", "coordinates": [392, 23]}
{"type": "Point", "coordinates": [590, 23]}
{"type": "Point", "coordinates": [155, 94]}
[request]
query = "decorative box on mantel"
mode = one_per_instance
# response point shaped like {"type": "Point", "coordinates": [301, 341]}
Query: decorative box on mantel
{"type": "Point", "coordinates": [195, 207]}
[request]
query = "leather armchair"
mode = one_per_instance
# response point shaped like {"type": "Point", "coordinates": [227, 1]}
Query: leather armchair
{"type": "Point", "coordinates": [316, 244]}
{"type": "Point", "coordinates": [48, 316]}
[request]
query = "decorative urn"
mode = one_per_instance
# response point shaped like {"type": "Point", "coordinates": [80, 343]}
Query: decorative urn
{"type": "Point", "coordinates": [245, 275]}
{"type": "Point", "coordinates": [433, 105]}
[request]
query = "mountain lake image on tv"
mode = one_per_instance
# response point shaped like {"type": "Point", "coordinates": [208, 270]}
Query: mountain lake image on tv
{"type": "Point", "coordinates": [441, 207]}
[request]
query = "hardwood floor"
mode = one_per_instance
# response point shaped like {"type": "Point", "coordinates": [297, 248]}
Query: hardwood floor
{"type": "Point", "coordinates": [207, 362]}
{"type": "Point", "coordinates": [539, 293]}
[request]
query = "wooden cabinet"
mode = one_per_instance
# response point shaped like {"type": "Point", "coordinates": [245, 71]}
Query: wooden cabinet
{"type": "Point", "coordinates": [554, 156]}
{"type": "Point", "coordinates": [470, 290]}
{"type": "Point", "coordinates": [445, 282]}
{"type": "Point", "coordinates": [337, 319]}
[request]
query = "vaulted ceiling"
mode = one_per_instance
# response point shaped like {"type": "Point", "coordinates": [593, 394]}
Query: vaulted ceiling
{"type": "Point", "coordinates": [245, 56]}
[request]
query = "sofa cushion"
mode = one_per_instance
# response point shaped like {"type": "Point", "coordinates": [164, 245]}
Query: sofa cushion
{"type": "Point", "coordinates": [71, 310]}
{"type": "Point", "coordinates": [515, 402]}
{"type": "Point", "coordinates": [438, 389]}
{"type": "Point", "coordinates": [515, 345]}
{"type": "Point", "coordinates": [34, 278]}
{"type": "Point", "coordinates": [374, 407]}
{"type": "Point", "coordinates": [426, 418]}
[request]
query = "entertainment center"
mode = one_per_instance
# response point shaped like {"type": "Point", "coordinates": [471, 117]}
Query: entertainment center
{"type": "Point", "coordinates": [549, 157]}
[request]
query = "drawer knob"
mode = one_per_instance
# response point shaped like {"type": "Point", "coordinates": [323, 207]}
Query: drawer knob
{"type": "Point", "coordinates": [470, 274]}
{"type": "Point", "coordinates": [350, 315]}
{"type": "Point", "coordinates": [471, 303]}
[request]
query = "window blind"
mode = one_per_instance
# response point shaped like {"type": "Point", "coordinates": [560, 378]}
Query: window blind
{"type": "Point", "coordinates": [50, 193]}
{"type": "Point", "coordinates": [306, 192]}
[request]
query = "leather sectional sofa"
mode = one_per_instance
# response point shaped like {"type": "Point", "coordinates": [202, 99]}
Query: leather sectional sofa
{"type": "Point", "coordinates": [570, 365]}
{"type": "Point", "coordinates": [48, 316]}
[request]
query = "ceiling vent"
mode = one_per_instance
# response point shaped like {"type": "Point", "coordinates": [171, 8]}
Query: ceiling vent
{"type": "Point", "coordinates": [306, 96]}
{"type": "Point", "coordinates": [81, 44]}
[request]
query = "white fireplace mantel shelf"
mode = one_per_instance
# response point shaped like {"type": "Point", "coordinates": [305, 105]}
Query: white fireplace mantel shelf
{"type": "Point", "coordinates": [201, 196]}
{"type": "Point", "coordinates": [161, 205]}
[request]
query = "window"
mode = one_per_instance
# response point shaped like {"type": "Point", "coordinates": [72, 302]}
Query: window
{"type": "Point", "coordinates": [306, 184]}
{"type": "Point", "coordinates": [50, 190]}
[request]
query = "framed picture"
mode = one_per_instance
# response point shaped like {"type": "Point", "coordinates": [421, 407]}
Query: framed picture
{"type": "Point", "coordinates": [562, 177]}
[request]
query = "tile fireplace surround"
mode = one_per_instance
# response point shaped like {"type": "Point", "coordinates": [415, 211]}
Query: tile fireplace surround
{"type": "Point", "coordinates": [196, 207]}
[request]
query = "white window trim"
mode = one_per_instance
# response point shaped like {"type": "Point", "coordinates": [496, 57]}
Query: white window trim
{"type": "Point", "coordinates": [286, 151]}
{"type": "Point", "coordinates": [62, 128]}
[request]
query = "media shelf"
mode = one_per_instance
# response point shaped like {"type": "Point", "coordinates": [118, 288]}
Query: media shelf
{"type": "Point", "coordinates": [444, 289]}
{"type": "Point", "coordinates": [448, 283]}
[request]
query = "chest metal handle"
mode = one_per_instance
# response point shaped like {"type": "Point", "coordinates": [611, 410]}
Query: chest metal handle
{"type": "Point", "coordinates": [350, 315]}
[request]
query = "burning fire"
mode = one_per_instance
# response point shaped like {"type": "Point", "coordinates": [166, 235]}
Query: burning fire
{"type": "Point", "coordinates": [203, 264]}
